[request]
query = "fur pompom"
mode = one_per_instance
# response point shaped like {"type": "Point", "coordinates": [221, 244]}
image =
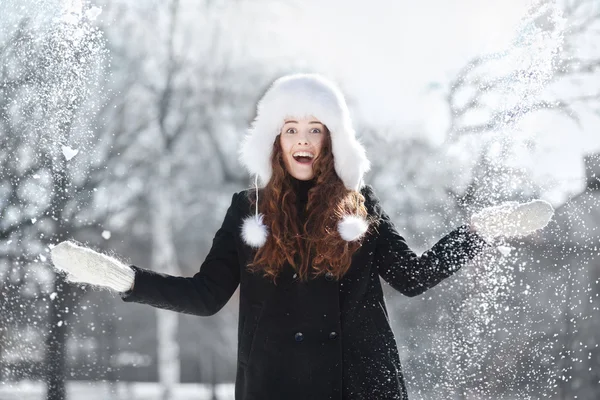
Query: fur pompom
{"type": "Point", "coordinates": [352, 227]}
{"type": "Point", "coordinates": [254, 231]}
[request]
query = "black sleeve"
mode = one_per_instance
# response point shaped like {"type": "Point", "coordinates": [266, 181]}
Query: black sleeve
{"type": "Point", "coordinates": [403, 269]}
{"type": "Point", "coordinates": [208, 290]}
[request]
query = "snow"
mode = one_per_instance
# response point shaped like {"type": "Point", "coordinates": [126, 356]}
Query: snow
{"type": "Point", "coordinates": [92, 13]}
{"type": "Point", "coordinates": [69, 153]}
{"type": "Point", "coordinates": [504, 250]}
{"type": "Point", "coordinates": [29, 390]}
{"type": "Point", "coordinates": [395, 74]}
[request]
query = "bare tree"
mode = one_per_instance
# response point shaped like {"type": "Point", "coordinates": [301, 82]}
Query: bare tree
{"type": "Point", "coordinates": [179, 113]}
{"type": "Point", "coordinates": [52, 164]}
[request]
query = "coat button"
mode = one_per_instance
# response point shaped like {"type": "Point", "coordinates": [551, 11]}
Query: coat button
{"type": "Point", "coordinates": [299, 337]}
{"type": "Point", "coordinates": [329, 276]}
{"type": "Point", "coordinates": [333, 335]}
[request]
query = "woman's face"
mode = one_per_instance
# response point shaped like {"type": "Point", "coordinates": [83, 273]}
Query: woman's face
{"type": "Point", "coordinates": [301, 141]}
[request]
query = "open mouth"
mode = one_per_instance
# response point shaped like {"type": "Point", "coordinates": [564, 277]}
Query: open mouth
{"type": "Point", "coordinates": [303, 157]}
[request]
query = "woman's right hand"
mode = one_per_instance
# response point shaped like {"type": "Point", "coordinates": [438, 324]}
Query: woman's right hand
{"type": "Point", "coordinates": [84, 265]}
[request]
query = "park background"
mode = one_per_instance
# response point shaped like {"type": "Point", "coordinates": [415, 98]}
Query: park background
{"type": "Point", "coordinates": [120, 122]}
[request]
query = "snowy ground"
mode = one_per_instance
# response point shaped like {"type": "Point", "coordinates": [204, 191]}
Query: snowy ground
{"type": "Point", "coordinates": [27, 390]}
{"type": "Point", "coordinates": [77, 390]}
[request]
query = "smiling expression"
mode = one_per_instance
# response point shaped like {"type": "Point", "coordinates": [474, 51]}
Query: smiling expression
{"type": "Point", "coordinates": [301, 142]}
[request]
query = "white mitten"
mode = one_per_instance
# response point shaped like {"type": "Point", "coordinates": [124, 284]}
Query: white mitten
{"type": "Point", "coordinates": [87, 266]}
{"type": "Point", "coordinates": [512, 219]}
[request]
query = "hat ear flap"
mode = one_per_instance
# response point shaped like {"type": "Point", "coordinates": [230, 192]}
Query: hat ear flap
{"type": "Point", "coordinates": [254, 231]}
{"type": "Point", "coordinates": [352, 227]}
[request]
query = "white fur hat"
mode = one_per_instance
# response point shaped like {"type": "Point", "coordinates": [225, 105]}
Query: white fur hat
{"type": "Point", "coordinates": [303, 96]}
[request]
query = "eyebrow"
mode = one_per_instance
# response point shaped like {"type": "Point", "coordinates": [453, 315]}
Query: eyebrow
{"type": "Point", "coordinates": [295, 122]}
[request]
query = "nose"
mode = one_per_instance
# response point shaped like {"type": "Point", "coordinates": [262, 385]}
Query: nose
{"type": "Point", "coordinates": [302, 139]}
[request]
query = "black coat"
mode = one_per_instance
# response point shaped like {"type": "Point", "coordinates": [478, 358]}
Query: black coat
{"type": "Point", "coordinates": [321, 339]}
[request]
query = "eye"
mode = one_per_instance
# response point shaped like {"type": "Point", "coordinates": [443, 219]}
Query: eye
{"type": "Point", "coordinates": [315, 130]}
{"type": "Point", "coordinates": [291, 130]}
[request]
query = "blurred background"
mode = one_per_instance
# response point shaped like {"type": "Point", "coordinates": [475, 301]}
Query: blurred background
{"type": "Point", "coordinates": [119, 127]}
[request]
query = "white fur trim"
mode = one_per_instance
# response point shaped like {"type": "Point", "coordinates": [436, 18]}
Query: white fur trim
{"type": "Point", "coordinates": [352, 227]}
{"type": "Point", "coordinates": [254, 231]}
{"type": "Point", "coordinates": [300, 96]}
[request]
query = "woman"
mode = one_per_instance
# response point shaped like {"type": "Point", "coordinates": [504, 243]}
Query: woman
{"type": "Point", "coordinates": [307, 247]}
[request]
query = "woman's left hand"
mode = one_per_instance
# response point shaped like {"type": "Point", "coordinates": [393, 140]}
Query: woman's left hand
{"type": "Point", "coordinates": [512, 219]}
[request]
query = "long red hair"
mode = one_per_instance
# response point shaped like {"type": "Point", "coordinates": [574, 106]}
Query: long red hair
{"type": "Point", "coordinates": [314, 247]}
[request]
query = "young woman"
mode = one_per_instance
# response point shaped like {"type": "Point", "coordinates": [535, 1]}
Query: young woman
{"type": "Point", "coordinates": [307, 247]}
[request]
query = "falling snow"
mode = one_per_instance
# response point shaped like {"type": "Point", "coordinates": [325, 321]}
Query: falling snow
{"type": "Point", "coordinates": [89, 94]}
{"type": "Point", "coordinates": [93, 13]}
{"type": "Point", "coordinates": [69, 153]}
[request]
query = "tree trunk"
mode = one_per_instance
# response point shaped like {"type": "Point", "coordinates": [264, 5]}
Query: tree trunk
{"type": "Point", "coordinates": [164, 260]}
{"type": "Point", "coordinates": [565, 364]}
{"type": "Point", "coordinates": [56, 340]}
{"type": "Point", "coordinates": [594, 358]}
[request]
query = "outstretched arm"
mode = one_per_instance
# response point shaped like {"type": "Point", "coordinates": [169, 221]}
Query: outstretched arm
{"type": "Point", "coordinates": [409, 273]}
{"type": "Point", "coordinates": [203, 294]}
{"type": "Point", "coordinates": [208, 290]}
{"type": "Point", "coordinates": [412, 275]}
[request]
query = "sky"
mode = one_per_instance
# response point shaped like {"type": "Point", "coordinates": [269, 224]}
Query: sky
{"type": "Point", "coordinates": [395, 50]}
